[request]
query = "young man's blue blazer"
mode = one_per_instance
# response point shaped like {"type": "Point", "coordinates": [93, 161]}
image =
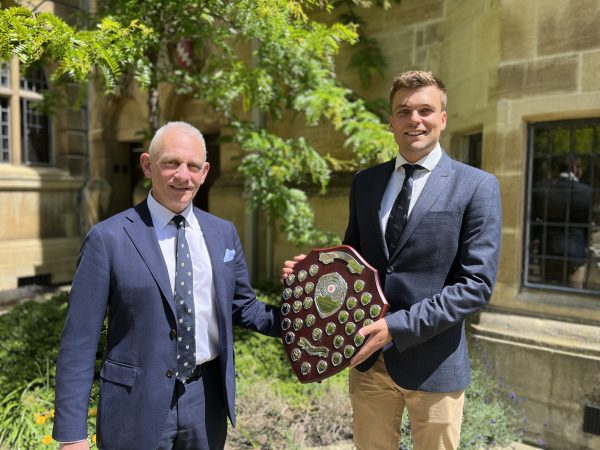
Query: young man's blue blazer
{"type": "Point", "coordinates": [443, 270]}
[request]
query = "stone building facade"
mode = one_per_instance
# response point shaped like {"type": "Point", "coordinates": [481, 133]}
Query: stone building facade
{"type": "Point", "coordinates": [43, 166]}
{"type": "Point", "coordinates": [523, 80]}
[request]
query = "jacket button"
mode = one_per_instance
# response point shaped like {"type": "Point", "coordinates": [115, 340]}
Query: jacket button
{"type": "Point", "coordinates": [390, 269]}
{"type": "Point", "coordinates": [169, 373]}
{"type": "Point", "coordinates": [173, 333]}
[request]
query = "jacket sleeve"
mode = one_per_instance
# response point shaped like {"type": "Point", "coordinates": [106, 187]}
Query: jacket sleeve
{"type": "Point", "coordinates": [77, 354]}
{"type": "Point", "coordinates": [471, 281]}
{"type": "Point", "coordinates": [247, 310]}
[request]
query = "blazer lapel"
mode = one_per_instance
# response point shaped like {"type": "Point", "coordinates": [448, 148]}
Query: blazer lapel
{"type": "Point", "coordinates": [140, 230]}
{"type": "Point", "coordinates": [374, 195]}
{"type": "Point", "coordinates": [214, 244]}
{"type": "Point", "coordinates": [436, 184]}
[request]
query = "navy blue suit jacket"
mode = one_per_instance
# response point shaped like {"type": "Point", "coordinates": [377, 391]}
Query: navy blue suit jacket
{"type": "Point", "coordinates": [443, 270]}
{"type": "Point", "coordinates": [121, 271]}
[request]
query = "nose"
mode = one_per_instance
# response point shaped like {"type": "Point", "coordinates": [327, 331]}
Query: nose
{"type": "Point", "coordinates": [182, 172]}
{"type": "Point", "coordinates": [415, 117]}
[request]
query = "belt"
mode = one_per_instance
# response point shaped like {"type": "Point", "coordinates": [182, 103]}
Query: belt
{"type": "Point", "coordinates": [199, 370]}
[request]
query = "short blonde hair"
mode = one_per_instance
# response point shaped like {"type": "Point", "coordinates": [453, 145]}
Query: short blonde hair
{"type": "Point", "coordinates": [415, 79]}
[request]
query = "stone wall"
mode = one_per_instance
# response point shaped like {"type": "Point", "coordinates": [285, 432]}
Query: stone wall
{"type": "Point", "coordinates": [507, 63]}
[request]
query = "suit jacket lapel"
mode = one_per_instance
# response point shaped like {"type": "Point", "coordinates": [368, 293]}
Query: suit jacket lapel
{"type": "Point", "coordinates": [214, 244]}
{"type": "Point", "coordinates": [140, 230]}
{"type": "Point", "coordinates": [436, 184]}
{"type": "Point", "coordinates": [374, 197]}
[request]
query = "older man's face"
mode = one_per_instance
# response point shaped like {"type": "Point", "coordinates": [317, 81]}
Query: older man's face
{"type": "Point", "coordinates": [177, 170]}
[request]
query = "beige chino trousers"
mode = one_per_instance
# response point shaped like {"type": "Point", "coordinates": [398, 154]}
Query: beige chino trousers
{"type": "Point", "coordinates": [378, 403]}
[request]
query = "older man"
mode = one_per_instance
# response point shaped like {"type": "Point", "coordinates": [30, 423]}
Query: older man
{"type": "Point", "coordinates": [173, 281]}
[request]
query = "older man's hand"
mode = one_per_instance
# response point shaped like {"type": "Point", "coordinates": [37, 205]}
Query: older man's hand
{"type": "Point", "coordinates": [288, 266]}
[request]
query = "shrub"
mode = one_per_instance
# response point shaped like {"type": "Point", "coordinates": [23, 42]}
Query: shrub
{"type": "Point", "coordinates": [27, 415]}
{"type": "Point", "coordinates": [274, 410]}
{"type": "Point", "coordinates": [29, 340]}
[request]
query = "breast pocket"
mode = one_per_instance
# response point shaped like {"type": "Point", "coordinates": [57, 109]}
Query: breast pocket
{"type": "Point", "coordinates": [437, 236]}
{"type": "Point", "coordinates": [440, 222]}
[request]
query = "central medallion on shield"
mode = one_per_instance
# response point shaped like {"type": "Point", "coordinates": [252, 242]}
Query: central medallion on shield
{"type": "Point", "coordinates": [330, 294]}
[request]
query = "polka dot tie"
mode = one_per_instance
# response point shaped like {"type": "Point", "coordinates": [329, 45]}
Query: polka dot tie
{"type": "Point", "coordinates": [399, 213]}
{"type": "Point", "coordinates": [184, 304]}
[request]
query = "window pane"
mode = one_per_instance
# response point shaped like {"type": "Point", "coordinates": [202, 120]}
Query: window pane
{"type": "Point", "coordinates": [540, 142]}
{"type": "Point", "coordinates": [583, 140]}
{"type": "Point", "coordinates": [559, 140]}
{"type": "Point", "coordinates": [4, 130]}
{"type": "Point", "coordinates": [34, 79]}
{"type": "Point", "coordinates": [35, 134]}
{"type": "Point", "coordinates": [564, 206]}
{"type": "Point", "coordinates": [4, 74]}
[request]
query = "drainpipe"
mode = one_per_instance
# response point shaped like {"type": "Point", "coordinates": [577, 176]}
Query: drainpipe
{"type": "Point", "coordinates": [251, 218]}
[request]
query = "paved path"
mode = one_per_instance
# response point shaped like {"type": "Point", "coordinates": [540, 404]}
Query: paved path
{"type": "Point", "coordinates": [13, 297]}
{"type": "Point", "coordinates": [347, 445]}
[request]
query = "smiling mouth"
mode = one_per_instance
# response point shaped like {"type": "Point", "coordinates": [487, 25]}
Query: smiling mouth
{"type": "Point", "coordinates": [181, 189]}
{"type": "Point", "coordinates": [414, 133]}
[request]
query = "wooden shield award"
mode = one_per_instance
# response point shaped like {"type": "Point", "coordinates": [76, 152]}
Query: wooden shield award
{"type": "Point", "coordinates": [331, 295]}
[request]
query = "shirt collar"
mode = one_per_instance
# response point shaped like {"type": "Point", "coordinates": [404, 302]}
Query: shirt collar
{"type": "Point", "coordinates": [428, 161]}
{"type": "Point", "coordinates": [161, 216]}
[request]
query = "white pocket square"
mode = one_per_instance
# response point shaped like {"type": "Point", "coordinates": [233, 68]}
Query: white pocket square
{"type": "Point", "coordinates": [229, 254]}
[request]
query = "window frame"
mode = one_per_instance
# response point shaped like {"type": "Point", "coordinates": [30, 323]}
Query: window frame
{"type": "Point", "coordinates": [17, 97]}
{"type": "Point", "coordinates": [532, 127]}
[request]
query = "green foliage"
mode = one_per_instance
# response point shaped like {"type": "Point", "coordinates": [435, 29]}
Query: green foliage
{"type": "Point", "coordinates": [367, 58]}
{"type": "Point", "coordinates": [490, 417]}
{"type": "Point", "coordinates": [29, 339]}
{"type": "Point", "coordinates": [110, 48]}
{"type": "Point", "coordinates": [27, 416]}
{"type": "Point", "coordinates": [274, 410]}
{"type": "Point", "coordinates": [260, 55]}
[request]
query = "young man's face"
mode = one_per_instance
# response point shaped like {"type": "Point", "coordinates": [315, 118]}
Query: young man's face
{"type": "Point", "coordinates": [417, 120]}
{"type": "Point", "coordinates": [177, 169]}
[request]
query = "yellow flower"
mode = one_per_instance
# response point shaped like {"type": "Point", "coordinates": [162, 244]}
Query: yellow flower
{"type": "Point", "coordinates": [93, 412]}
{"type": "Point", "coordinates": [40, 419]}
{"type": "Point", "coordinates": [94, 438]}
{"type": "Point", "coordinates": [47, 440]}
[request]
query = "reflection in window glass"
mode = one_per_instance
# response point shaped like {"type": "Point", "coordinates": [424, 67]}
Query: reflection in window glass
{"type": "Point", "coordinates": [563, 248]}
{"type": "Point", "coordinates": [35, 125]}
{"type": "Point", "coordinates": [35, 134]}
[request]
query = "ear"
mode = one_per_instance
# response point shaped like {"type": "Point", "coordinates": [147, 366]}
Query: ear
{"type": "Point", "coordinates": [205, 169]}
{"type": "Point", "coordinates": [444, 116]}
{"type": "Point", "coordinates": [146, 165]}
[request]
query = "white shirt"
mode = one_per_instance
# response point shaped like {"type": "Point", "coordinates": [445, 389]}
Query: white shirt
{"type": "Point", "coordinates": [394, 185]}
{"type": "Point", "coordinates": [207, 325]}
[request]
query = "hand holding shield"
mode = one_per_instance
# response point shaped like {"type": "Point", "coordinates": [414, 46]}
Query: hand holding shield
{"type": "Point", "coordinates": [327, 298]}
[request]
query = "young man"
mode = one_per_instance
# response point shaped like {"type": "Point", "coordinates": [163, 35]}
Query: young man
{"type": "Point", "coordinates": [173, 281]}
{"type": "Point", "coordinates": [431, 227]}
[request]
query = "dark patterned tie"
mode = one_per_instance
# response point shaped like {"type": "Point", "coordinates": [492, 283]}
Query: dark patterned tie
{"type": "Point", "coordinates": [399, 212]}
{"type": "Point", "coordinates": [184, 304]}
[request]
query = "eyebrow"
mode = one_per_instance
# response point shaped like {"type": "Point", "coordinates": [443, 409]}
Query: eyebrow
{"type": "Point", "coordinates": [166, 158]}
{"type": "Point", "coordinates": [404, 105]}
